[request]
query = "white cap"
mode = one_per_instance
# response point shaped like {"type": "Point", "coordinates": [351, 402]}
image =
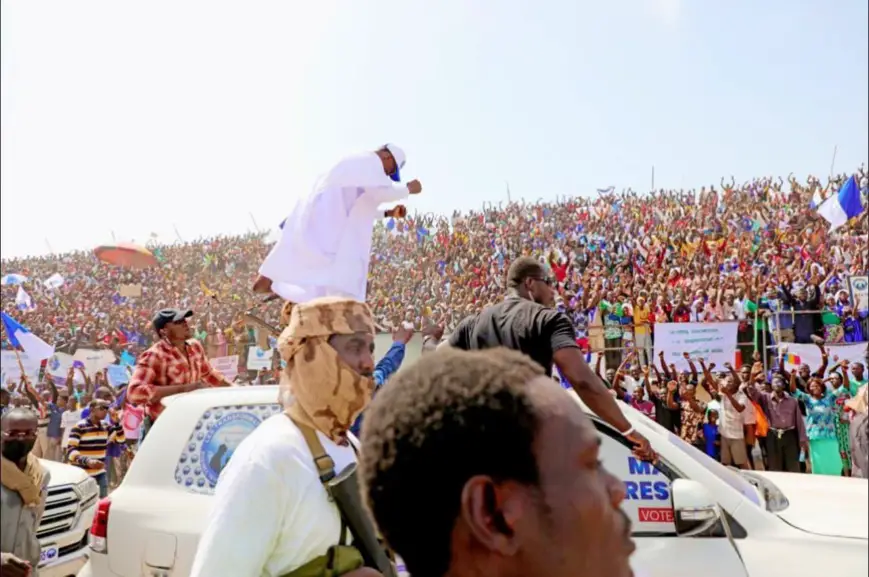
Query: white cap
{"type": "Point", "coordinates": [400, 158]}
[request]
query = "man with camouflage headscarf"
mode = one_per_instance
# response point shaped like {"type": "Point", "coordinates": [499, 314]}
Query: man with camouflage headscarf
{"type": "Point", "coordinates": [271, 513]}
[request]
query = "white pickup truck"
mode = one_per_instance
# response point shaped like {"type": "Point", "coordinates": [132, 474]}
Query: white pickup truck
{"type": "Point", "coordinates": [691, 515]}
{"type": "Point", "coordinates": [69, 511]}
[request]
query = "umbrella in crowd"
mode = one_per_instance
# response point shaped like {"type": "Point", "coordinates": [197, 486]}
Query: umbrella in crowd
{"type": "Point", "coordinates": [126, 255]}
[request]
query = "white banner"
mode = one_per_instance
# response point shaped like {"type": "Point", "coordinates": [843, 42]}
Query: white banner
{"type": "Point", "coordinates": [227, 366]}
{"type": "Point", "coordinates": [118, 375]}
{"type": "Point", "coordinates": [58, 367]}
{"type": "Point", "coordinates": [859, 286]}
{"type": "Point", "coordinates": [795, 355]}
{"type": "Point", "coordinates": [713, 342]}
{"type": "Point", "coordinates": [93, 360]}
{"type": "Point", "coordinates": [258, 359]}
{"type": "Point", "coordinates": [12, 372]}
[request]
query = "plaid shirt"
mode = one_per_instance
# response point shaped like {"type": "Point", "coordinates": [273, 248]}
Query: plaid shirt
{"type": "Point", "coordinates": [163, 366]}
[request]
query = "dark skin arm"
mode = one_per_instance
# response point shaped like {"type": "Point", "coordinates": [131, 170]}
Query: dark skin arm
{"type": "Point", "coordinates": [664, 368]}
{"type": "Point", "coordinates": [593, 393]}
{"type": "Point", "coordinates": [52, 388]}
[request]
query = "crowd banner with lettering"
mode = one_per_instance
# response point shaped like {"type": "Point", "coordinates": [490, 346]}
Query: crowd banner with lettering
{"type": "Point", "coordinates": [714, 342]}
{"type": "Point", "coordinates": [859, 286]}
{"type": "Point", "coordinates": [12, 372]}
{"type": "Point", "coordinates": [118, 375]}
{"type": "Point", "coordinates": [227, 366]}
{"type": "Point", "coordinates": [94, 360]}
{"type": "Point", "coordinates": [795, 355]}
{"type": "Point", "coordinates": [258, 359]}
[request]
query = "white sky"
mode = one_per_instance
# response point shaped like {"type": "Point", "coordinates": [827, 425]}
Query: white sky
{"type": "Point", "coordinates": [134, 117]}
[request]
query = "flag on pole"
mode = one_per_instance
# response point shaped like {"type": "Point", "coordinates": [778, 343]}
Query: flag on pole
{"type": "Point", "coordinates": [23, 302]}
{"type": "Point", "coordinates": [841, 207]}
{"type": "Point", "coordinates": [21, 337]}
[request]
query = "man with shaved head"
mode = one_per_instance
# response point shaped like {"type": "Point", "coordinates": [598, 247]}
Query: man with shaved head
{"type": "Point", "coordinates": [22, 494]}
{"type": "Point", "coordinates": [502, 466]}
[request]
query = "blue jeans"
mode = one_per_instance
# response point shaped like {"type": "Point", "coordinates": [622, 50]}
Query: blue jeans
{"type": "Point", "coordinates": [103, 483]}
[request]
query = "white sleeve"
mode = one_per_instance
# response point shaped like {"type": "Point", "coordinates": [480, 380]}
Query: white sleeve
{"type": "Point", "coordinates": [242, 532]}
{"type": "Point", "coordinates": [383, 194]}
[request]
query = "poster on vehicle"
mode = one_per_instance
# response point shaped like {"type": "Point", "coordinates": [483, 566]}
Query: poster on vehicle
{"type": "Point", "coordinates": [713, 342]}
{"type": "Point", "coordinates": [227, 366]}
{"type": "Point", "coordinates": [258, 359]}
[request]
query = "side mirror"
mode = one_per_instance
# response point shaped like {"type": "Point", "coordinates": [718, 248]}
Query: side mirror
{"type": "Point", "coordinates": [694, 509]}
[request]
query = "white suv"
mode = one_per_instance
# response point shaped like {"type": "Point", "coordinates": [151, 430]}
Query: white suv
{"type": "Point", "coordinates": [690, 514]}
{"type": "Point", "coordinates": [69, 511]}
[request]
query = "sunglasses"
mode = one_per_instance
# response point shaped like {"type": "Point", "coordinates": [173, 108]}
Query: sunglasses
{"type": "Point", "coordinates": [547, 281]}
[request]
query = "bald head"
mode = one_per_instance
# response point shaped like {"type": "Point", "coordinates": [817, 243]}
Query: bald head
{"type": "Point", "coordinates": [19, 415]}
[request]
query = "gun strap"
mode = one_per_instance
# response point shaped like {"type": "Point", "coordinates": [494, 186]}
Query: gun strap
{"type": "Point", "coordinates": [324, 463]}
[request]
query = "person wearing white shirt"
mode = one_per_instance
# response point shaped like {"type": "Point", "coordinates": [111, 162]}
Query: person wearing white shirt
{"type": "Point", "coordinates": [325, 243]}
{"type": "Point", "coordinates": [271, 513]}
{"type": "Point", "coordinates": [731, 424]}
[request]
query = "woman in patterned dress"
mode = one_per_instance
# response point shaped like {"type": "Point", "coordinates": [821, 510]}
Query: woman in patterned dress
{"type": "Point", "coordinates": [821, 417]}
{"type": "Point", "coordinates": [841, 394]}
{"type": "Point", "coordinates": [693, 415]}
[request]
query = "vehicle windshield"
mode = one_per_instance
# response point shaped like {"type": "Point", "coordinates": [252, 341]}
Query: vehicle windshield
{"type": "Point", "coordinates": [732, 478]}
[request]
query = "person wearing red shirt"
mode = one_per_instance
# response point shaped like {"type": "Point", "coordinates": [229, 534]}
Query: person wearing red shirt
{"type": "Point", "coordinates": [176, 363]}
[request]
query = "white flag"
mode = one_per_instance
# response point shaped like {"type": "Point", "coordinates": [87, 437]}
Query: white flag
{"type": "Point", "coordinates": [23, 301]}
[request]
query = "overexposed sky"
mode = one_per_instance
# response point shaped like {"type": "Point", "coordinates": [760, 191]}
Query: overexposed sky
{"type": "Point", "coordinates": [130, 118]}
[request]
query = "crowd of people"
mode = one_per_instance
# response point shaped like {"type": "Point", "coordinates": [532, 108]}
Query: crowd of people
{"type": "Point", "coordinates": [669, 256]}
{"type": "Point", "coordinates": [619, 263]}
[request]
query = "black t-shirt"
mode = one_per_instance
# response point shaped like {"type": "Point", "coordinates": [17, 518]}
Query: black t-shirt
{"type": "Point", "coordinates": [518, 324]}
{"type": "Point", "coordinates": [670, 419]}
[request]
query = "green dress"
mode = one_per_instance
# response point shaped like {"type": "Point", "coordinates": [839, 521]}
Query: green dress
{"type": "Point", "coordinates": [821, 431]}
{"type": "Point", "coordinates": [841, 395]}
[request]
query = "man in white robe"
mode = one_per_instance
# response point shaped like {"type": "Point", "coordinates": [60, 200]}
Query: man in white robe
{"type": "Point", "coordinates": [325, 243]}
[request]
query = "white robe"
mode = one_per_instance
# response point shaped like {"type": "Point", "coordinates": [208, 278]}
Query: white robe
{"type": "Point", "coordinates": [325, 244]}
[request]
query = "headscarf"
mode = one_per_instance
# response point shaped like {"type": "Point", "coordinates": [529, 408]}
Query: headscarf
{"type": "Point", "coordinates": [27, 483]}
{"type": "Point", "coordinates": [317, 387]}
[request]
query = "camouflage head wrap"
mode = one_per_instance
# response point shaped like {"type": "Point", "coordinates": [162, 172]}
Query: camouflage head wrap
{"type": "Point", "coordinates": [317, 387]}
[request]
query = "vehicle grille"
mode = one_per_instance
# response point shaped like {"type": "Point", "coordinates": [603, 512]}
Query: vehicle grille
{"type": "Point", "coordinates": [61, 511]}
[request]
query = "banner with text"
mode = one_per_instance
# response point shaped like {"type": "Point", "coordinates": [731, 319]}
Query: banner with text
{"type": "Point", "coordinates": [58, 366]}
{"type": "Point", "coordinates": [795, 355]}
{"type": "Point", "coordinates": [714, 342]}
{"type": "Point", "coordinates": [12, 372]}
{"type": "Point", "coordinates": [227, 366]}
{"type": "Point", "coordinates": [258, 359]}
{"type": "Point", "coordinates": [94, 360]}
{"type": "Point", "coordinates": [859, 286]}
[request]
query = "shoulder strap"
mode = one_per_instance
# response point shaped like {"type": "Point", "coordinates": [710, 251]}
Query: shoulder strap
{"type": "Point", "coordinates": [324, 463]}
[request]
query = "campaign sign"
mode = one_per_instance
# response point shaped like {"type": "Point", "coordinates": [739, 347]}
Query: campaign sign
{"type": "Point", "coordinates": [222, 439]}
{"type": "Point", "coordinates": [647, 497]}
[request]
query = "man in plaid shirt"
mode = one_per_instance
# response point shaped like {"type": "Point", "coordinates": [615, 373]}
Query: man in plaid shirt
{"type": "Point", "coordinates": [176, 363]}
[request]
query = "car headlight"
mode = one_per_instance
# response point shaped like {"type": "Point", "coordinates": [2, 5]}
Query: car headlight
{"type": "Point", "coordinates": [88, 489]}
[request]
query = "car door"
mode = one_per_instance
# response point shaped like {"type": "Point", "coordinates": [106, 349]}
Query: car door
{"type": "Point", "coordinates": [660, 551]}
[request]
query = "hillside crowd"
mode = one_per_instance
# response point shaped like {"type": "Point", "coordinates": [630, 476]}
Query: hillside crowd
{"type": "Point", "coordinates": [621, 262]}
{"type": "Point", "coordinates": [639, 259]}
